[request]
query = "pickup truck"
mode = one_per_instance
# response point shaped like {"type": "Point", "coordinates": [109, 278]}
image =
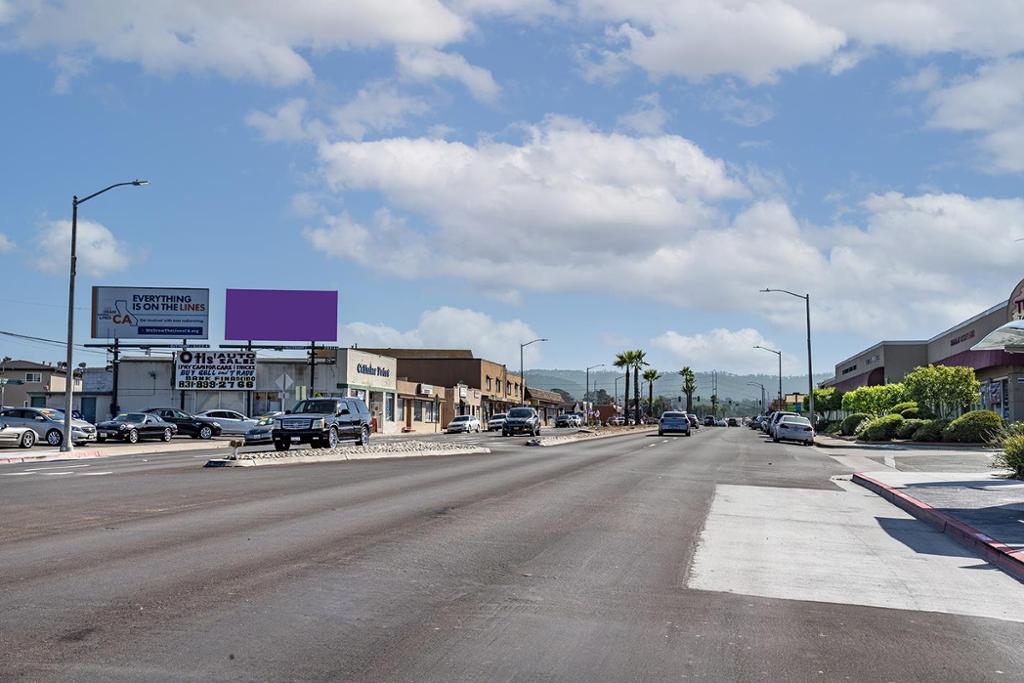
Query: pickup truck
{"type": "Point", "coordinates": [322, 422]}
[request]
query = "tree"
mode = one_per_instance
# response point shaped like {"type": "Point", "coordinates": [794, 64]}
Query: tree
{"type": "Point", "coordinates": [826, 400]}
{"type": "Point", "coordinates": [714, 404]}
{"type": "Point", "coordinates": [601, 397]}
{"type": "Point", "coordinates": [874, 400]}
{"type": "Point", "coordinates": [661, 404]}
{"type": "Point", "coordinates": [639, 359]}
{"type": "Point", "coordinates": [567, 398]}
{"type": "Point", "coordinates": [943, 389]}
{"type": "Point", "coordinates": [689, 386]}
{"type": "Point", "coordinates": [651, 376]}
{"type": "Point", "coordinates": [623, 360]}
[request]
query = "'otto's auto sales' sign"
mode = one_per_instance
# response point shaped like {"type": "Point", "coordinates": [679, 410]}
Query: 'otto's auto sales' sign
{"type": "Point", "coordinates": [217, 370]}
{"type": "Point", "coordinates": [150, 313]}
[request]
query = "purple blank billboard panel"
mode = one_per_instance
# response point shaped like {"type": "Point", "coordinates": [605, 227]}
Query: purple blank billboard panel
{"type": "Point", "coordinates": [281, 315]}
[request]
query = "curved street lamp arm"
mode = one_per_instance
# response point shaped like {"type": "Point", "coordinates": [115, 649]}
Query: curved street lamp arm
{"type": "Point", "coordinates": [786, 291]}
{"type": "Point", "coordinates": [136, 182]}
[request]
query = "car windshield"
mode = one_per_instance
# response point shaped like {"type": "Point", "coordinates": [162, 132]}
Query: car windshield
{"type": "Point", "coordinates": [802, 421]}
{"type": "Point", "coordinates": [130, 417]}
{"type": "Point", "coordinates": [461, 418]}
{"type": "Point", "coordinates": [52, 414]}
{"type": "Point", "coordinates": [321, 407]}
{"type": "Point", "coordinates": [520, 412]}
{"type": "Point", "coordinates": [499, 416]}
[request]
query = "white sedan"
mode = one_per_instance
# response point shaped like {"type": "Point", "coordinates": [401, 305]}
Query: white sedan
{"type": "Point", "coordinates": [231, 422]}
{"type": "Point", "coordinates": [22, 437]}
{"type": "Point", "coordinates": [463, 423]}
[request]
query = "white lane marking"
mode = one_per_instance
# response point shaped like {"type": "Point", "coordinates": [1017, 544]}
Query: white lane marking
{"type": "Point", "coordinates": [651, 445]}
{"type": "Point", "coordinates": [92, 474]}
{"type": "Point", "coordinates": [54, 474]}
{"type": "Point", "coordinates": [16, 474]}
{"type": "Point", "coordinates": [63, 467]}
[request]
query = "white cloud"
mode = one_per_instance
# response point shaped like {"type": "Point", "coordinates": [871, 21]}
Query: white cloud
{"type": "Point", "coordinates": [287, 123]}
{"type": "Point", "coordinates": [407, 251]}
{"type": "Point", "coordinates": [923, 80]}
{"type": "Point", "coordinates": [647, 118]}
{"type": "Point", "coordinates": [723, 348]}
{"type": "Point", "coordinates": [743, 111]}
{"type": "Point", "coordinates": [990, 103]}
{"type": "Point", "coordinates": [685, 37]}
{"type": "Point", "coordinates": [427, 64]}
{"type": "Point", "coordinates": [6, 244]}
{"type": "Point", "coordinates": [379, 107]}
{"type": "Point", "coordinates": [454, 328]}
{"type": "Point", "coordinates": [259, 40]}
{"type": "Point", "coordinates": [99, 252]}
{"type": "Point", "coordinates": [68, 68]}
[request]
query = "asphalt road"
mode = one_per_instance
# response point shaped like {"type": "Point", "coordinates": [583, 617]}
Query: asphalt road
{"type": "Point", "coordinates": [718, 557]}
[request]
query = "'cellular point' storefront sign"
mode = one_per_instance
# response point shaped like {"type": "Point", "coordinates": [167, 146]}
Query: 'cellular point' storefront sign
{"type": "Point", "coordinates": [375, 370]}
{"type": "Point", "coordinates": [150, 313]}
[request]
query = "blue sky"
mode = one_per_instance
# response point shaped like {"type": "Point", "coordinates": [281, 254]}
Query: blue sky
{"type": "Point", "coordinates": [607, 174]}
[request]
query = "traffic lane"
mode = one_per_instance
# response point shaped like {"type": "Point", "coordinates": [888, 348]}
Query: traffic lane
{"type": "Point", "coordinates": [578, 574]}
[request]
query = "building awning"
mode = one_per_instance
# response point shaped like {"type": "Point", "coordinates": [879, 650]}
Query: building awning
{"type": "Point", "coordinates": [542, 396]}
{"type": "Point", "coordinates": [1008, 338]}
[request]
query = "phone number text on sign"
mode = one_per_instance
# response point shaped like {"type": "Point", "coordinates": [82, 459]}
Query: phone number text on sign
{"type": "Point", "coordinates": [217, 370]}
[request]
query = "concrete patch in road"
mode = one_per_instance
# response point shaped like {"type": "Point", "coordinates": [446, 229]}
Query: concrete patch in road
{"type": "Point", "coordinates": [844, 547]}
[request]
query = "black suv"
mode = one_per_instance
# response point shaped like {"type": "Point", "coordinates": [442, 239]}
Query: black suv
{"type": "Point", "coordinates": [321, 422]}
{"type": "Point", "coordinates": [196, 426]}
{"type": "Point", "coordinates": [521, 420]}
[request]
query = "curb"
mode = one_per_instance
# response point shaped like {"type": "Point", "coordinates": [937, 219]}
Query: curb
{"type": "Point", "coordinates": [73, 455]}
{"type": "Point", "coordinates": [82, 453]}
{"type": "Point", "coordinates": [993, 551]}
{"type": "Point", "coordinates": [595, 438]}
{"type": "Point", "coordinates": [242, 461]}
{"type": "Point", "coordinates": [924, 446]}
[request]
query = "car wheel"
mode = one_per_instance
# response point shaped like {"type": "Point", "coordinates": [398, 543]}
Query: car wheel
{"type": "Point", "coordinates": [332, 438]}
{"type": "Point", "coordinates": [133, 436]}
{"type": "Point", "coordinates": [101, 439]}
{"type": "Point", "coordinates": [54, 437]}
{"type": "Point", "coordinates": [28, 439]}
{"type": "Point", "coordinates": [364, 436]}
{"type": "Point", "coordinates": [281, 445]}
{"type": "Point", "coordinates": [504, 433]}
{"type": "Point", "coordinates": [167, 434]}
{"type": "Point", "coordinates": [206, 433]}
{"type": "Point", "coordinates": [775, 439]}
{"type": "Point", "coordinates": [661, 433]}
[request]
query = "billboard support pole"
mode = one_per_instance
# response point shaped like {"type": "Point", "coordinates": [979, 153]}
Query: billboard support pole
{"type": "Point", "coordinates": [312, 369]}
{"type": "Point", "coordinates": [248, 394]}
{"type": "Point", "coordinates": [114, 408]}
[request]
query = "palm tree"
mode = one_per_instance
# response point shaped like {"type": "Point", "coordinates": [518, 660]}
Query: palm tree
{"type": "Point", "coordinates": [639, 358]}
{"type": "Point", "coordinates": [689, 386]}
{"type": "Point", "coordinates": [622, 360]}
{"type": "Point", "coordinates": [651, 376]}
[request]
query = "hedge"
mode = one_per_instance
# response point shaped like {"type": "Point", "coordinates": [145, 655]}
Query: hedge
{"type": "Point", "coordinates": [900, 407]}
{"type": "Point", "coordinates": [1012, 456]}
{"type": "Point", "coordinates": [851, 422]}
{"type": "Point", "coordinates": [977, 426]}
{"type": "Point", "coordinates": [881, 428]}
{"type": "Point", "coordinates": [930, 431]}
{"type": "Point", "coordinates": [907, 429]}
{"type": "Point", "coordinates": [910, 413]}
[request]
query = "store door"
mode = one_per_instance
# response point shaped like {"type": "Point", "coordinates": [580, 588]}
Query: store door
{"type": "Point", "coordinates": [89, 409]}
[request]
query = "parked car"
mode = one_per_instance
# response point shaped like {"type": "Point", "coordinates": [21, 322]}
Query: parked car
{"type": "Point", "coordinates": [616, 421]}
{"type": "Point", "coordinates": [496, 422]}
{"type": "Point", "coordinates": [709, 420]}
{"type": "Point", "coordinates": [48, 424]}
{"type": "Point", "coordinates": [263, 431]}
{"type": "Point", "coordinates": [581, 419]}
{"type": "Point", "coordinates": [521, 421]}
{"type": "Point", "coordinates": [463, 423]}
{"type": "Point", "coordinates": [732, 422]}
{"type": "Point", "coordinates": [673, 422]}
{"type": "Point", "coordinates": [230, 421]}
{"type": "Point", "coordinates": [694, 422]}
{"type": "Point", "coordinates": [720, 422]}
{"type": "Point", "coordinates": [22, 437]}
{"type": "Point", "coordinates": [322, 422]}
{"type": "Point", "coordinates": [767, 422]}
{"type": "Point", "coordinates": [755, 422]}
{"type": "Point", "coordinates": [567, 420]}
{"type": "Point", "coordinates": [196, 426]}
{"type": "Point", "coordinates": [776, 416]}
{"type": "Point", "coordinates": [132, 427]}
{"type": "Point", "coordinates": [794, 428]}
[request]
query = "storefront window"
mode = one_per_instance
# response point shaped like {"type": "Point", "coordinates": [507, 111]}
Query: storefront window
{"type": "Point", "coordinates": [389, 407]}
{"type": "Point", "coordinates": [417, 413]}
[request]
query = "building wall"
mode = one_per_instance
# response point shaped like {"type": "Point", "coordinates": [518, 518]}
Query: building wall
{"type": "Point", "coordinates": [965, 335]}
{"type": "Point", "coordinates": [52, 383]}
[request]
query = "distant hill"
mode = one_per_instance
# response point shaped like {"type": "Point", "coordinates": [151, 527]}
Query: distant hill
{"type": "Point", "coordinates": [730, 386]}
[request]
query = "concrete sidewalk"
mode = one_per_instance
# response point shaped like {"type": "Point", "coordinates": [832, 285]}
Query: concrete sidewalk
{"type": "Point", "coordinates": [826, 441]}
{"type": "Point", "coordinates": [105, 450]}
{"type": "Point", "coordinates": [983, 511]}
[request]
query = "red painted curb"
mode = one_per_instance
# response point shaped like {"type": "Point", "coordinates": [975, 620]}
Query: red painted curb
{"type": "Point", "coordinates": [993, 551]}
{"type": "Point", "coordinates": [74, 455]}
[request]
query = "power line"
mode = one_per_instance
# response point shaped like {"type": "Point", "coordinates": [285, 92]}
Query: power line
{"type": "Point", "coordinates": [42, 340]}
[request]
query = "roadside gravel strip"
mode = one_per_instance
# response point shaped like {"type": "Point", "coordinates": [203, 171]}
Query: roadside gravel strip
{"type": "Point", "coordinates": [587, 435]}
{"type": "Point", "coordinates": [389, 449]}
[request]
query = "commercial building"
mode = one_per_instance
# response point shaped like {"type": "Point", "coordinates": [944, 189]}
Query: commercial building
{"type": "Point", "coordinates": [25, 383]}
{"type": "Point", "coordinates": [1001, 373]}
{"type": "Point", "coordinates": [496, 388]}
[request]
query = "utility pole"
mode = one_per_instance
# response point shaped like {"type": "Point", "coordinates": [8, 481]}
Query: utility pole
{"type": "Point", "coordinates": [810, 366]}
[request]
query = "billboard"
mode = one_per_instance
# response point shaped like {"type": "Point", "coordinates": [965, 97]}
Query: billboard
{"type": "Point", "coordinates": [215, 370]}
{"type": "Point", "coordinates": [150, 313]}
{"type": "Point", "coordinates": [281, 315]}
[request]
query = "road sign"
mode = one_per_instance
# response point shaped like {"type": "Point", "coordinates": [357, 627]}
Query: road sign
{"type": "Point", "coordinates": [6, 380]}
{"type": "Point", "coordinates": [284, 382]}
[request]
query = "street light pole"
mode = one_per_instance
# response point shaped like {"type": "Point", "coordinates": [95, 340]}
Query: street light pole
{"type": "Point", "coordinates": [810, 367]}
{"type": "Point", "coordinates": [763, 392]}
{"type": "Point", "coordinates": [522, 373]}
{"type": "Point", "coordinates": [587, 394]}
{"type": "Point", "coordinates": [69, 382]}
{"type": "Point", "coordinates": [779, 354]}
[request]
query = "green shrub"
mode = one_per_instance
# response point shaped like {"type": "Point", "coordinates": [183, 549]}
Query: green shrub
{"type": "Point", "coordinates": [908, 428]}
{"type": "Point", "coordinates": [977, 426]}
{"type": "Point", "coordinates": [910, 413]}
{"type": "Point", "coordinates": [930, 431]}
{"type": "Point", "coordinates": [881, 428]}
{"type": "Point", "coordinates": [850, 424]}
{"type": "Point", "coordinates": [1012, 456]}
{"type": "Point", "coordinates": [900, 407]}
{"type": "Point", "coordinates": [831, 428]}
